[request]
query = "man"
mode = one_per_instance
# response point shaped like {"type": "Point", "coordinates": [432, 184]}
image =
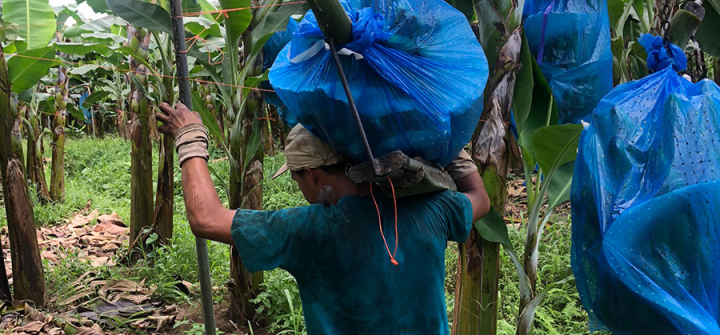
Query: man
{"type": "Point", "coordinates": [351, 280]}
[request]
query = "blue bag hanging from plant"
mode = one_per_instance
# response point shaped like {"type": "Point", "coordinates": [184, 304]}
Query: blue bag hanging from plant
{"type": "Point", "coordinates": [575, 57]}
{"type": "Point", "coordinates": [646, 205]}
{"type": "Point", "coordinates": [415, 70]}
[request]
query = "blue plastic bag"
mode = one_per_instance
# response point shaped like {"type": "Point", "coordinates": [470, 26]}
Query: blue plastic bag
{"type": "Point", "coordinates": [576, 57]}
{"type": "Point", "coordinates": [645, 208]}
{"type": "Point", "coordinates": [416, 72]}
{"type": "Point", "coordinates": [270, 51]}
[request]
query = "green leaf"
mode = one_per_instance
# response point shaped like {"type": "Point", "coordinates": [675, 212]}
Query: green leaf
{"type": "Point", "coordinates": [25, 72]}
{"type": "Point", "coordinates": [201, 6]}
{"type": "Point", "coordinates": [35, 21]}
{"type": "Point", "coordinates": [209, 120]}
{"type": "Point", "coordinates": [103, 24]}
{"type": "Point", "coordinates": [254, 142]}
{"type": "Point", "coordinates": [556, 145]}
{"type": "Point", "coordinates": [522, 96]}
{"type": "Point", "coordinates": [682, 25]}
{"type": "Point", "coordinates": [75, 111]}
{"type": "Point", "coordinates": [492, 228]}
{"type": "Point", "coordinates": [615, 10]}
{"type": "Point", "coordinates": [102, 37]}
{"type": "Point", "coordinates": [464, 6]}
{"type": "Point", "coordinates": [99, 6]}
{"type": "Point", "coordinates": [83, 69]}
{"type": "Point", "coordinates": [525, 322]}
{"type": "Point", "coordinates": [252, 82]}
{"type": "Point", "coordinates": [274, 22]}
{"type": "Point", "coordinates": [707, 33]}
{"type": "Point", "coordinates": [543, 110]}
{"type": "Point", "coordinates": [82, 49]}
{"type": "Point", "coordinates": [559, 185]}
{"type": "Point", "coordinates": [142, 14]}
{"type": "Point", "coordinates": [74, 31]}
{"type": "Point", "coordinates": [715, 5]}
{"type": "Point", "coordinates": [200, 26]}
{"type": "Point", "coordinates": [95, 97]}
{"type": "Point", "coordinates": [238, 20]}
{"type": "Point", "coordinates": [8, 32]}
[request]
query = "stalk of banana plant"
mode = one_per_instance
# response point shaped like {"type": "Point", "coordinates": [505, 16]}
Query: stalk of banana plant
{"type": "Point", "coordinates": [716, 69]}
{"type": "Point", "coordinates": [141, 193]}
{"type": "Point", "coordinates": [34, 166]}
{"type": "Point", "coordinates": [28, 275]}
{"type": "Point", "coordinates": [16, 140]}
{"type": "Point", "coordinates": [479, 261]}
{"type": "Point", "coordinates": [245, 183]}
{"type": "Point", "coordinates": [164, 203]}
{"type": "Point", "coordinates": [57, 169]}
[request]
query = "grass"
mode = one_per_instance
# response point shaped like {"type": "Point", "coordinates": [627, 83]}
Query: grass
{"type": "Point", "coordinates": [98, 170]}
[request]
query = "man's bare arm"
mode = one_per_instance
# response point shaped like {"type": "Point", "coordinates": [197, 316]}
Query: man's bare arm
{"type": "Point", "coordinates": [208, 218]}
{"type": "Point", "coordinates": [472, 187]}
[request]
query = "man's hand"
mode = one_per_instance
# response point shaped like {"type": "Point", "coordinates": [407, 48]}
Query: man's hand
{"type": "Point", "coordinates": [176, 118]}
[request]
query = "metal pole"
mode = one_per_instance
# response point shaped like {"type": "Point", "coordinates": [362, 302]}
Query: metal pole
{"type": "Point", "coordinates": [353, 109]}
{"type": "Point", "coordinates": [184, 85]}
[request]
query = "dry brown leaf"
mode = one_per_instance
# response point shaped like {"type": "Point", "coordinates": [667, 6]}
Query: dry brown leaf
{"type": "Point", "coordinates": [98, 261]}
{"type": "Point", "coordinates": [122, 285]}
{"type": "Point", "coordinates": [50, 256]}
{"type": "Point", "coordinates": [113, 218]}
{"type": "Point", "coordinates": [110, 228]}
{"type": "Point", "coordinates": [76, 297]}
{"type": "Point", "coordinates": [33, 327]}
{"type": "Point", "coordinates": [94, 330]}
{"type": "Point", "coordinates": [135, 298]}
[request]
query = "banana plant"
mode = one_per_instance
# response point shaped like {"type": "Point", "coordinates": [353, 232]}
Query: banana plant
{"type": "Point", "coordinates": [28, 273]}
{"type": "Point", "coordinates": [34, 166]}
{"type": "Point", "coordinates": [234, 79]}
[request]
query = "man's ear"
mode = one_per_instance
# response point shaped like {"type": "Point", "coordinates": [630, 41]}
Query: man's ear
{"type": "Point", "coordinates": [313, 176]}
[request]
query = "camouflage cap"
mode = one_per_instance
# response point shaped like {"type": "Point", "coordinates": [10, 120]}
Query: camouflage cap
{"type": "Point", "coordinates": [304, 150]}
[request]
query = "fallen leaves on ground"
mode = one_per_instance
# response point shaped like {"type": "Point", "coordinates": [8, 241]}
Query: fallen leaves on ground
{"type": "Point", "coordinates": [95, 238]}
{"type": "Point", "coordinates": [97, 303]}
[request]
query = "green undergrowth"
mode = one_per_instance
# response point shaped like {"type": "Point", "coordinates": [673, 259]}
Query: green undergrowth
{"type": "Point", "coordinates": [99, 171]}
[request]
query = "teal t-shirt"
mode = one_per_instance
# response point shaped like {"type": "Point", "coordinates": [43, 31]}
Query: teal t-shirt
{"type": "Point", "coordinates": [346, 280]}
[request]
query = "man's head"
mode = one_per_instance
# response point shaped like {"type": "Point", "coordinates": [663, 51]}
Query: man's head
{"type": "Point", "coordinates": [319, 171]}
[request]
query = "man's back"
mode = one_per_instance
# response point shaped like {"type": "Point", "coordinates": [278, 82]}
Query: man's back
{"type": "Point", "coordinates": [347, 283]}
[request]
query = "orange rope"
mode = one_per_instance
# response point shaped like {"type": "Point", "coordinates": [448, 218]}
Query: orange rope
{"type": "Point", "coordinates": [392, 255]}
{"type": "Point", "coordinates": [197, 37]}
{"type": "Point", "coordinates": [225, 11]}
{"type": "Point", "coordinates": [131, 71]}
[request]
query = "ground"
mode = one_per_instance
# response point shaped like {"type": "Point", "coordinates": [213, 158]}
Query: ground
{"type": "Point", "coordinates": [80, 258]}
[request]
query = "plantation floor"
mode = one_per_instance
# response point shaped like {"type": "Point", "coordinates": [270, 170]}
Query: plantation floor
{"type": "Point", "coordinates": [81, 252]}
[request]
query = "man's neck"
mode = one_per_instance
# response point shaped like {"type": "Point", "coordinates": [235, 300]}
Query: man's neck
{"type": "Point", "coordinates": [342, 186]}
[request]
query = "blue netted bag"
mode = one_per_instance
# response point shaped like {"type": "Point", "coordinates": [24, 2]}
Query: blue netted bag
{"type": "Point", "coordinates": [415, 69]}
{"type": "Point", "coordinates": [576, 57]}
{"type": "Point", "coordinates": [646, 204]}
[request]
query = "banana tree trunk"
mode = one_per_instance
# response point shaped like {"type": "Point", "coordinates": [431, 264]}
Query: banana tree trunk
{"type": "Point", "coordinates": [35, 168]}
{"type": "Point", "coordinates": [57, 169]}
{"type": "Point", "coordinates": [141, 193]}
{"type": "Point", "coordinates": [716, 69]}
{"type": "Point", "coordinates": [164, 203]}
{"type": "Point", "coordinates": [28, 275]}
{"type": "Point", "coordinates": [246, 188]}
{"type": "Point", "coordinates": [16, 141]}
{"type": "Point", "coordinates": [479, 262]}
